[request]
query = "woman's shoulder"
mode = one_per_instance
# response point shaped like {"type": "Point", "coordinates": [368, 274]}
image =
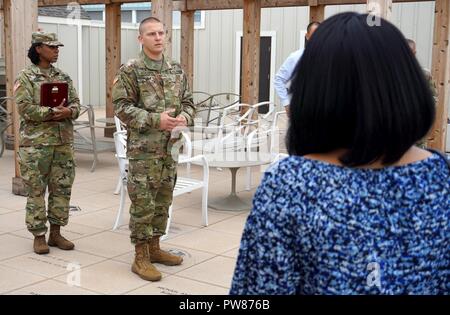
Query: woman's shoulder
{"type": "Point", "coordinates": [288, 173]}
{"type": "Point", "coordinates": [301, 169]}
{"type": "Point", "coordinates": [295, 165]}
{"type": "Point", "coordinates": [27, 72]}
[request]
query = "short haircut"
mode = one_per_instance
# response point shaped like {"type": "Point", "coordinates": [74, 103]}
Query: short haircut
{"type": "Point", "coordinates": [33, 54]}
{"type": "Point", "coordinates": [148, 20]}
{"type": "Point", "coordinates": [308, 28]}
{"type": "Point", "coordinates": [361, 89]}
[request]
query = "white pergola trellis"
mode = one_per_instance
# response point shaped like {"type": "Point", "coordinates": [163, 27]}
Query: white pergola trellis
{"type": "Point", "coordinates": [20, 20]}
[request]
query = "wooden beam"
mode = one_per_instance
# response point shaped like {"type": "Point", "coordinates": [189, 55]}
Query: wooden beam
{"type": "Point", "coordinates": [441, 72]}
{"type": "Point", "coordinates": [47, 3]}
{"type": "Point", "coordinates": [382, 8]}
{"type": "Point", "coordinates": [238, 4]}
{"type": "Point", "coordinates": [113, 42]}
{"type": "Point", "coordinates": [163, 11]}
{"type": "Point", "coordinates": [187, 45]}
{"type": "Point", "coordinates": [250, 51]}
{"type": "Point", "coordinates": [193, 5]}
{"type": "Point", "coordinates": [7, 53]}
{"type": "Point", "coordinates": [2, 31]}
{"type": "Point", "coordinates": [339, 2]}
{"type": "Point", "coordinates": [177, 5]}
{"type": "Point", "coordinates": [316, 12]}
{"type": "Point", "coordinates": [20, 22]}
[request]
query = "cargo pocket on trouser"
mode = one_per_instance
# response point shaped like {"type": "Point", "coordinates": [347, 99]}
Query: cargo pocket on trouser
{"type": "Point", "coordinates": [34, 163]}
{"type": "Point", "coordinates": [164, 196]}
{"type": "Point", "coordinates": [143, 177]}
{"type": "Point", "coordinates": [62, 176]}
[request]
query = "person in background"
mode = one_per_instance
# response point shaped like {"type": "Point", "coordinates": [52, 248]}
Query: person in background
{"type": "Point", "coordinates": [356, 208]}
{"type": "Point", "coordinates": [284, 74]}
{"type": "Point", "coordinates": [426, 72]}
{"type": "Point", "coordinates": [412, 44]}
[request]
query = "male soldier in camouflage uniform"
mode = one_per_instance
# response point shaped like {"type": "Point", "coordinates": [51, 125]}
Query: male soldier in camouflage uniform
{"type": "Point", "coordinates": [151, 96]}
{"type": "Point", "coordinates": [46, 144]}
{"type": "Point", "coordinates": [412, 44]}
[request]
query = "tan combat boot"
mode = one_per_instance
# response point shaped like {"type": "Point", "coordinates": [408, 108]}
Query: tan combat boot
{"type": "Point", "coordinates": [56, 239]}
{"type": "Point", "coordinates": [142, 266]}
{"type": "Point", "coordinates": [40, 245]}
{"type": "Point", "coordinates": [159, 256]}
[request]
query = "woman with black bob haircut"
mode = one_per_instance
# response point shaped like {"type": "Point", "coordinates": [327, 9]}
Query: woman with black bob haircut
{"type": "Point", "coordinates": [361, 90]}
{"type": "Point", "coordinates": [357, 208]}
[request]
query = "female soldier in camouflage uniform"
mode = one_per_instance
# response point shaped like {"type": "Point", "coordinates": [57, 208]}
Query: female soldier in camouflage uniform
{"type": "Point", "coordinates": [46, 144]}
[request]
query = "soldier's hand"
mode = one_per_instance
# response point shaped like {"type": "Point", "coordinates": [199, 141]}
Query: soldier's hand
{"type": "Point", "coordinates": [182, 121]}
{"type": "Point", "coordinates": [62, 112]}
{"type": "Point", "coordinates": [168, 122]}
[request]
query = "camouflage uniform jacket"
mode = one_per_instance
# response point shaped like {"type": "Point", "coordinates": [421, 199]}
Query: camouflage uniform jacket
{"type": "Point", "coordinates": [36, 126]}
{"type": "Point", "coordinates": [142, 90]}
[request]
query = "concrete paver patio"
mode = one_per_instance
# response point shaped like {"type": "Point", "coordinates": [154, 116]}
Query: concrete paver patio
{"type": "Point", "coordinates": [105, 256]}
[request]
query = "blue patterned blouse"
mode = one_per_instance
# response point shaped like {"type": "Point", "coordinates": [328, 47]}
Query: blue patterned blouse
{"type": "Point", "coordinates": [319, 228]}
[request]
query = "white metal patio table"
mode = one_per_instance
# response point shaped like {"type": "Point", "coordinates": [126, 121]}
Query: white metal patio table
{"type": "Point", "coordinates": [234, 161]}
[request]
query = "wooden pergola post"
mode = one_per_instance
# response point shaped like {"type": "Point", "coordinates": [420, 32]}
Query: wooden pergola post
{"type": "Point", "coordinates": [250, 51]}
{"type": "Point", "coordinates": [113, 42]}
{"type": "Point", "coordinates": [316, 11]}
{"type": "Point", "coordinates": [382, 8]}
{"type": "Point", "coordinates": [162, 9]}
{"type": "Point", "coordinates": [20, 18]}
{"type": "Point", "coordinates": [187, 45]}
{"type": "Point", "coordinates": [441, 72]}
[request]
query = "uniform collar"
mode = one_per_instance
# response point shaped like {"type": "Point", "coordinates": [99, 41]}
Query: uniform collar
{"type": "Point", "coordinates": [36, 70]}
{"type": "Point", "coordinates": [152, 65]}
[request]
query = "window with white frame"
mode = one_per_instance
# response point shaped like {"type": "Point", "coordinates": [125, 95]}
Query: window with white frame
{"type": "Point", "coordinates": [95, 15]}
{"type": "Point", "coordinates": [135, 13]}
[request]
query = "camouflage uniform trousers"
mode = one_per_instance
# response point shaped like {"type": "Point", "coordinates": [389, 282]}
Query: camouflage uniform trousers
{"type": "Point", "coordinates": [150, 186]}
{"type": "Point", "coordinates": [51, 166]}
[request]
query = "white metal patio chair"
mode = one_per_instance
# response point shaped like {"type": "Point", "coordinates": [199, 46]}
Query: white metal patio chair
{"type": "Point", "coordinates": [89, 143]}
{"type": "Point", "coordinates": [231, 132]}
{"type": "Point", "coordinates": [265, 138]}
{"type": "Point", "coordinates": [120, 128]}
{"type": "Point", "coordinates": [5, 122]}
{"type": "Point", "coordinates": [209, 111]}
{"type": "Point", "coordinates": [183, 184]}
{"type": "Point", "coordinates": [186, 185]}
{"type": "Point", "coordinates": [187, 151]}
